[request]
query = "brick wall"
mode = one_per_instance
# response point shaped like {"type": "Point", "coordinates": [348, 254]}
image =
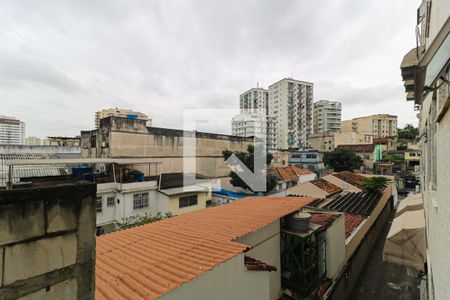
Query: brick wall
{"type": "Point", "coordinates": [47, 242]}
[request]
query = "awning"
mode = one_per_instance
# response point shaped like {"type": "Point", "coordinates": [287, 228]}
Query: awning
{"type": "Point", "coordinates": [406, 241]}
{"type": "Point", "coordinates": [410, 203]}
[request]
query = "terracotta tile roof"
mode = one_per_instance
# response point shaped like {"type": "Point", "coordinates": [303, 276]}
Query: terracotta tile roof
{"type": "Point", "coordinates": [147, 261]}
{"type": "Point", "coordinates": [289, 173]}
{"type": "Point", "coordinates": [252, 264]}
{"type": "Point", "coordinates": [327, 186]}
{"type": "Point", "coordinates": [383, 140]}
{"type": "Point", "coordinates": [358, 147]}
{"type": "Point", "coordinates": [351, 222]}
{"type": "Point", "coordinates": [352, 178]}
{"type": "Point", "coordinates": [323, 219]}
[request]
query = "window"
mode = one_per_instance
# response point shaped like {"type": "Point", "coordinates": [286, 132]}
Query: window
{"type": "Point", "coordinates": [188, 201]}
{"type": "Point", "coordinates": [110, 201]}
{"type": "Point", "coordinates": [99, 204]}
{"type": "Point", "coordinates": [140, 200]}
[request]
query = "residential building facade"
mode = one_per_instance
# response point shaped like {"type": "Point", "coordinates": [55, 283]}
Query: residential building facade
{"type": "Point", "coordinates": [65, 141]}
{"type": "Point", "coordinates": [353, 137]}
{"type": "Point", "coordinates": [323, 142]}
{"type": "Point", "coordinates": [33, 141]}
{"type": "Point", "coordinates": [120, 112]}
{"type": "Point", "coordinates": [307, 159]}
{"type": "Point", "coordinates": [426, 75]}
{"type": "Point", "coordinates": [381, 125]}
{"type": "Point", "coordinates": [12, 131]}
{"type": "Point", "coordinates": [249, 124]}
{"type": "Point", "coordinates": [254, 100]}
{"type": "Point", "coordinates": [291, 107]}
{"type": "Point", "coordinates": [327, 116]}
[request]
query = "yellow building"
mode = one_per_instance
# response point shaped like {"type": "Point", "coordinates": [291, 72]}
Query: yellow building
{"type": "Point", "coordinates": [381, 125]}
{"type": "Point", "coordinates": [322, 142]}
{"type": "Point", "coordinates": [280, 159]}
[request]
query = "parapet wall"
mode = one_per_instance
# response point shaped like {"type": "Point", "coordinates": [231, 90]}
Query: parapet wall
{"type": "Point", "coordinates": [47, 242]}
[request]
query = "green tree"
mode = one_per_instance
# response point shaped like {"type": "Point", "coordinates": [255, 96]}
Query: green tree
{"type": "Point", "coordinates": [342, 160]}
{"type": "Point", "coordinates": [373, 184]}
{"type": "Point", "coordinates": [247, 159]}
{"type": "Point", "coordinates": [409, 132]}
{"type": "Point", "coordinates": [395, 158]}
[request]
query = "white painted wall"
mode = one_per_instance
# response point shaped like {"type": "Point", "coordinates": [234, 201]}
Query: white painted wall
{"type": "Point", "coordinates": [265, 246]}
{"type": "Point", "coordinates": [307, 177]}
{"type": "Point", "coordinates": [229, 280]}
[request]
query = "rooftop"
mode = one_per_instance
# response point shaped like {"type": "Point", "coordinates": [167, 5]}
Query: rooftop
{"type": "Point", "coordinates": [351, 223]}
{"type": "Point", "coordinates": [351, 178]}
{"type": "Point", "coordinates": [358, 147]}
{"type": "Point", "coordinates": [252, 264]}
{"type": "Point", "coordinates": [289, 172]}
{"type": "Point", "coordinates": [176, 180]}
{"type": "Point", "coordinates": [150, 260]}
{"type": "Point", "coordinates": [327, 186]}
{"type": "Point", "coordinates": [361, 203]}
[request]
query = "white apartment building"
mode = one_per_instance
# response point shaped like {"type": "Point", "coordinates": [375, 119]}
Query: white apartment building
{"type": "Point", "coordinates": [291, 107]}
{"type": "Point", "coordinates": [254, 119]}
{"type": "Point", "coordinates": [120, 112]}
{"type": "Point", "coordinates": [426, 76]}
{"type": "Point", "coordinates": [254, 100]}
{"type": "Point", "coordinates": [12, 131]}
{"type": "Point", "coordinates": [247, 125]}
{"type": "Point", "coordinates": [327, 116]}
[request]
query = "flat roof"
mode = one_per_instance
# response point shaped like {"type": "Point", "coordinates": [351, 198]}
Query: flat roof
{"type": "Point", "coordinates": [183, 190]}
{"type": "Point", "coordinates": [148, 261]}
{"type": "Point", "coordinates": [74, 161]}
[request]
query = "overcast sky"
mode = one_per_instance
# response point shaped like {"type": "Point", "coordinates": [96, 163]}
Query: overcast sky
{"type": "Point", "coordinates": [61, 61]}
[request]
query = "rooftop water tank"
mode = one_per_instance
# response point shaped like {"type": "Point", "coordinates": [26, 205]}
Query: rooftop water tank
{"type": "Point", "coordinates": [299, 222]}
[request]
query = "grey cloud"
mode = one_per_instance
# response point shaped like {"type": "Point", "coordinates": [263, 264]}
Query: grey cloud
{"type": "Point", "coordinates": [162, 56]}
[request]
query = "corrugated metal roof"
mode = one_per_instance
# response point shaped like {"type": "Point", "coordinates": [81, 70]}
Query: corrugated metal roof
{"type": "Point", "coordinates": [147, 261]}
{"type": "Point", "coordinates": [361, 203]}
{"type": "Point", "coordinates": [75, 161]}
{"type": "Point", "coordinates": [26, 170]}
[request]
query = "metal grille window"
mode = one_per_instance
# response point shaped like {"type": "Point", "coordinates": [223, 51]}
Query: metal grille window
{"type": "Point", "coordinates": [188, 201]}
{"type": "Point", "coordinates": [99, 204]}
{"type": "Point", "coordinates": [140, 200]}
{"type": "Point", "coordinates": [110, 201]}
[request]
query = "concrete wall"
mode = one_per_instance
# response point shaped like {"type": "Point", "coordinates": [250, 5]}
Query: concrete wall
{"type": "Point", "coordinates": [229, 280]}
{"type": "Point", "coordinates": [47, 241]}
{"type": "Point", "coordinates": [265, 246]}
{"type": "Point", "coordinates": [121, 137]}
{"type": "Point", "coordinates": [354, 241]}
{"type": "Point", "coordinates": [335, 252]}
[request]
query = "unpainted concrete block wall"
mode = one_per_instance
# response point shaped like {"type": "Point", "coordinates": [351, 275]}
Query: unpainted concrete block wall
{"type": "Point", "coordinates": [47, 242]}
